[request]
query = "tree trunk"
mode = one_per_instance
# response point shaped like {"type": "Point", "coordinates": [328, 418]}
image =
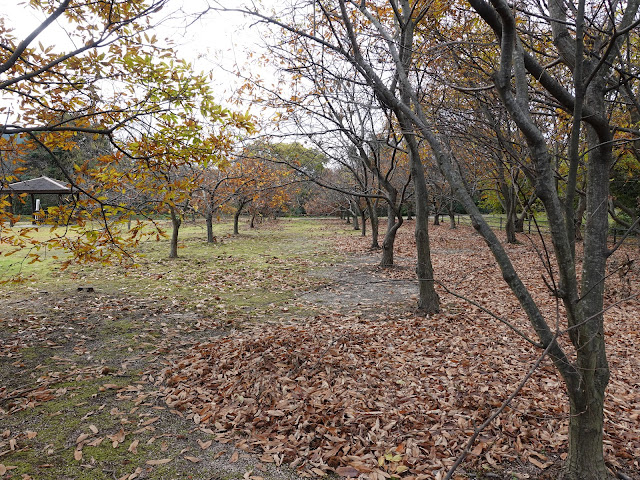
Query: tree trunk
{"type": "Point", "coordinates": [510, 229]}
{"type": "Point", "coordinates": [236, 219]}
{"type": "Point", "coordinates": [356, 224]}
{"type": "Point", "coordinates": [363, 218]}
{"type": "Point", "coordinates": [452, 221]}
{"type": "Point", "coordinates": [209, 220]}
{"type": "Point", "coordinates": [428, 302]}
{"type": "Point", "coordinates": [373, 216]}
{"type": "Point", "coordinates": [512, 217]}
{"type": "Point", "coordinates": [586, 460]}
{"type": "Point", "coordinates": [390, 237]}
{"type": "Point", "coordinates": [586, 457]}
{"type": "Point", "coordinates": [436, 217]}
{"type": "Point", "coordinates": [452, 217]}
{"type": "Point", "coordinates": [252, 223]}
{"type": "Point", "coordinates": [176, 221]}
{"type": "Point", "coordinates": [582, 207]}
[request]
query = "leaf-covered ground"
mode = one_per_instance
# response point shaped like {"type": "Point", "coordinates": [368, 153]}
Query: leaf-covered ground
{"type": "Point", "coordinates": [280, 356]}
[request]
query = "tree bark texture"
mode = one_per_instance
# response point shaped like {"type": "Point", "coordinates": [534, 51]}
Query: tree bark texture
{"type": "Point", "coordinates": [393, 224]}
{"type": "Point", "coordinates": [236, 219]}
{"type": "Point", "coordinates": [428, 301]}
{"type": "Point", "coordinates": [209, 221]}
{"type": "Point", "coordinates": [373, 216]}
{"type": "Point", "coordinates": [176, 221]}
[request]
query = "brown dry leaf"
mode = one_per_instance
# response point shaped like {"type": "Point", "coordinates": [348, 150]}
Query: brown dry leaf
{"type": "Point", "coordinates": [150, 421]}
{"type": "Point", "coordinates": [539, 464]}
{"type": "Point", "coordinates": [162, 461]}
{"type": "Point", "coordinates": [204, 445]}
{"type": "Point", "coordinates": [133, 448]}
{"type": "Point", "coordinates": [77, 454]}
{"type": "Point", "coordinates": [31, 435]}
{"type": "Point", "coordinates": [82, 437]}
{"type": "Point", "coordinates": [477, 450]}
{"type": "Point", "coordinates": [3, 469]}
{"type": "Point", "coordinates": [117, 438]}
{"type": "Point", "coordinates": [136, 473]}
{"type": "Point", "coordinates": [93, 428]}
{"type": "Point", "coordinates": [234, 457]}
{"type": "Point", "coordinates": [348, 472]}
{"type": "Point", "coordinates": [96, 442]}
{"type": "Point", "coordinates": [110, 386]}
{"type": "Point", "coordinates": [193, 459]}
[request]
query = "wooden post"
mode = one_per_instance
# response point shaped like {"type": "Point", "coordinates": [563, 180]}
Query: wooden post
{"type": "Point", "coordinates": [33, 209]}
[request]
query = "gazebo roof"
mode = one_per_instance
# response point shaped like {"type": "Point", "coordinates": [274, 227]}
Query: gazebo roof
{"type": "Point", "coordinates": [37, 185]}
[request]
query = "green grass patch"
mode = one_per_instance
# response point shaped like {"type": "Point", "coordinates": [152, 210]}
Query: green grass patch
{"type": "Point", "coordinates": [252, 269]}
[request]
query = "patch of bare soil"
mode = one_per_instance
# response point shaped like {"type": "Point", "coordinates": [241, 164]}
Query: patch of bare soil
{"type": "Point", "coordinates": [361, 284]}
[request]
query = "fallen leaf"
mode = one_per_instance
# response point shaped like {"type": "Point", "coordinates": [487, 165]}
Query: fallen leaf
{"type": "Point", "coordinates": [77, 454]}
{"type": "Point", "coordinates": [150, 421]}
{"type": "Point", "coordinates": [96, 442]}
{"type": "Point", "coordinates": [348, 472]}
{"type": "Point", "coordinates": [204, 445]}
{"type": "Point", "coordinates": [133, 448]}
{"type": "Point", "coordinates": [162, 461]}
{"type": "Point", "coordinates": [117, 438]}
{"type": "Point", "coordinates": [193, 459]}
{"type": "Point", "coordinates": [234, 457]}
{"type": "Point", "coordinates": [539, 464]}
{"type": "Point", "coordinates": [93, 428]}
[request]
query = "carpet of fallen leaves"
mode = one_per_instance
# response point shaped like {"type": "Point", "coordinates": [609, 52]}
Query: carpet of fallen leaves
{"type": "Point", "coordinates": [393, 394]}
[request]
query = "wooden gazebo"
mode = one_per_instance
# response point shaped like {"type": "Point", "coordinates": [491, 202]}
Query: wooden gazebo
{"type": "Point", "coordinates": [35, 186]}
